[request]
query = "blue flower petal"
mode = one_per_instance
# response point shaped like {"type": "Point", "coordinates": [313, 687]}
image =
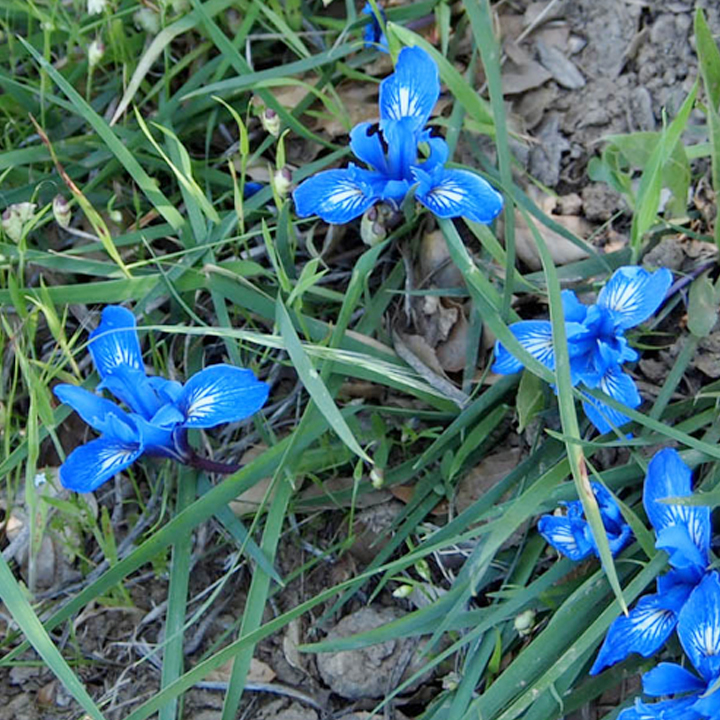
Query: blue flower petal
{"type": "Point", "coordinates": [677, 543]}
{"type": "Point", "coordinates": [573, 309]}
{"type": "Point", "coordinates": [366, 143]}
{"type": "Point", "coordinates": [536, 337]}
{"type": "Point", "coordinates": [567, 535]}
{"type": "Point", "coordinates": [450, 193]}
{"type": "Point", "coordinates": [167, 390]}
{"type": "Point", "coordinates": [221, 394]}
{"type": "Point", "coordinates": [134, 388]}
{"type": "Point", "coordinates": [633, 294]}
{"type": "Point", "coordinates": [114, 343]}
{"type": "Point", "coordinates": [668, 476]}
{"type": "Point", "coordinates": [164, 440]}
{"type": "Point", "coordinates": [251, 188]}
{"type": "Point", "coordinates": [337, 196]}
{"type": "Point", "coordinates": [93, 409]}
{"type": "Point", "coordinates": [619, 386]}
{"type": "Point", "coordinates": [401, 140]}
{"type": "Point", "coordinates": [708, 706]}
{"type": "Point", "coordinates": [90, 465]}
{"type": "Point", "coordinates": [680, 709]}
{"type": "Point", "coordinates": [439, 151]}
{"type": "Point", "coordinates": [412, 90]}
{"type": "Point", "coordinates": [699, 627]}
{"type": "Point", "coordinates": [372, 32]}
{"type": "Point", "coordinates": [609, 509]}
{"type": "Point", "coordinates": [643, 631]}
{"type": "Point", "coordinates": [168, 416]}
{"type": "Point", "coordinates": [394, 192]}
{"type": "Point", "coordinates": [670, 679]}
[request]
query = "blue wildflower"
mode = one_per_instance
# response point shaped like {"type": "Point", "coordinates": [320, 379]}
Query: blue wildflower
{"type": "Point", "coordinates": [251, 188]}
{"type": "Point", "coordinates": [683, 531]}
{"type": "Point", "coordinates": [373, 35]}
{"type": "Point", "coordinates": [570, 534]}
{"type": "Point", "coordinates": [161, 411]}
{"type": "Point", "coordinates": [390, 148]}
{"type": "Point", "coordinates": [698, 628]}
{"type": "Point", "coordinates": [597, 344]}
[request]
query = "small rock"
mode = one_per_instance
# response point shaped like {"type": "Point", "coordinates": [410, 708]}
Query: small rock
{"type": "Point", "coordinates": [20, 674]}
{"type": "Point", "coordinates": [570, 204]}
{"type": "Point", "coordinates": [667, 253]}
{"type": "Point", "coordinates": [563, 70]}
{"type": "Point", "coordinates": [546, 154]}
{"type": "Point", "coordinates": [654, 370]}
{"type": "Point", "coordinates": [523, 78]}
{"type": "Point", "coordinates": [641, 110]}
{"type": "Point", "coordinates": [576, 43]}
{"type": "Point", "coordinates": [600, 202]}
{"type": "Point", "coordinates": [542, 12]}
{"type": "Point", "coordinates": [296, 712]}
{"type": "Point", "coordinates": [367, 672]}
{"type": "Point", "coordinates": [708, 363]}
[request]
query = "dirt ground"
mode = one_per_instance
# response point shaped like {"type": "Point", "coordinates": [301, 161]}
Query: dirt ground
{"type": "Point", "coordinates": [575, 71]}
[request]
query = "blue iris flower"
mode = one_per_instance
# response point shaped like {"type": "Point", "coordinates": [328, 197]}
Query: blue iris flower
{"type": "Point", "coordinates": [683, 531]}
{"type": "Point", "coordinates": [597, 344]}
{"type": "Point", "coordinates": [570, 534]}
{"type": "Point", "coordinates": [390, 148]}
{"type": "Point", "coordinates": [698, 628]}
{"type": "Point", "coordinates": [161, 411]}
{"type": "Point", "coordinates": [373, 35]}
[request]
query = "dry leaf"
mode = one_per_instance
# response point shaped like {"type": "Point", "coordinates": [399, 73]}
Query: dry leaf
{"type": "Point", "coordinates": [405, 494]}
{"type": "Point", "coordinates": [249, 502]}
{"type": "Point", "coordinates": [331, 489]}
{"type": "Point", "coordinates": [561, 249]}
{"type": "Point", "coordinates": [436, 266]}
{"type": "Point", "coordinates": [259, 672]}
{"type": "Point", "coordinates": [291, 641]}
{"type": "Point", "coordinates": [452, 352]}
{"type": "Point", "coordinates": [484, 476]}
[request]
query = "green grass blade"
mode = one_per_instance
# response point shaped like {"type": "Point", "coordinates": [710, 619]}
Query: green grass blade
{"type": "Point", "coordinates": [313, 383]}
{"type": "Point", "coordinates": [568, 417]}
{"type": "Point", "coordinates": [173, 656]}
{"type": "Point", "coordinates": [648, 196]}
{"type": "Point", "coordinates": [482, 27]}
{"type": "Point", "coordinates": [23, 614]}
{"type": "Point", "coordinates": [709, 57]}
{"type": "Point", "coordinates": [118, 149]}
{"type": "Point", "coordinates": [259, 589]}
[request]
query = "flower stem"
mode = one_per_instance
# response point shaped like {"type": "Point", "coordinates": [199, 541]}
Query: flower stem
{"type": "Point", "coordinates": [207, 465]}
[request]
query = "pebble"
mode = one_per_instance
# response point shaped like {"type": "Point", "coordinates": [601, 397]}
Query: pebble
{"type": "Point", "coordinates": [366, 672]}
{"type": "Point", "coordinates": [564, 71]}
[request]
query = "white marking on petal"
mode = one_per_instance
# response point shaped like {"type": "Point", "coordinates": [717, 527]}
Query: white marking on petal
{"type": "Point", "coordinates": [114, 456]}
{"type": "Point", "coordinates": [448, 195]}
{"type": "Point", "coordinates": [706, 638]}
{"type": "Point", "coordinates": [539, 346]}
{"type": "Point", "coordinates": [650, 620]}
{"type": "Point", "coordinates": [203, 402]}
{"type": "Point", "coordinates": [346, 196]}
{"type": "Point", "coordinates": [626, 297]}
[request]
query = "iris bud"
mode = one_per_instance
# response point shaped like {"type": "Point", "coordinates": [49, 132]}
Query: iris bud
{"type": "Point", "coordinates": [271, 122]}
{"type": "Point", "coordinates": [403, 591]}
{"type": "Point", "coordinates": [95, 7]}
{"type": "Point", "coordinates": [15, 218]}
{"type": "Point", "coordinates": [95, 52]}
{"type": "Point", "coordinates": [283, 181]}
{"type": "Point", "coordinates": [372, 229]}
{"type": "Point", "coordinates": [61, 211]}
{"type": "Point", "coordinates": [525, 622]}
